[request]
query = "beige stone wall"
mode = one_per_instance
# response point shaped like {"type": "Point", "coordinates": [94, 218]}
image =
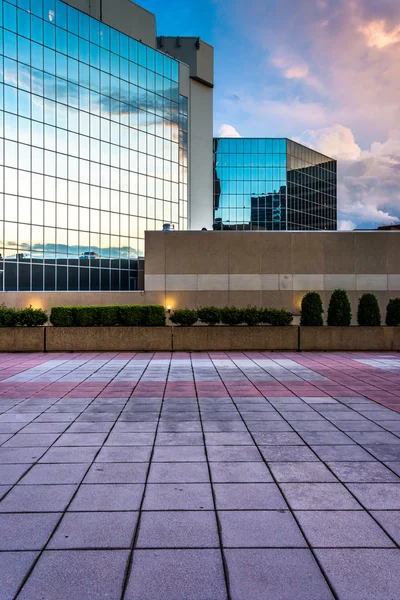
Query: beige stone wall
{"type": "Point", "coordinates": [270, 268]}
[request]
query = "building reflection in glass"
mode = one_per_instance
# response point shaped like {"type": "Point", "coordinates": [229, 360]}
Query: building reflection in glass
{"type": "Point", "coordinates": [272, 184]}
{"type": "Point", "coordinates": [93, 149]}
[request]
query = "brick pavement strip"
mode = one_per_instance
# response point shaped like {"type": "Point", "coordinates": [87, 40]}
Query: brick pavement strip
{"type": "Point", "coordinates": [248, 476]}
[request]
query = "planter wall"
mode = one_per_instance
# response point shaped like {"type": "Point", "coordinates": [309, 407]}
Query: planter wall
{"type": "Point", "coordinates": [349, 338]}
{"type": "Point", "coordinates": [21, 339]}
{"type": "Point", "coordinates": [119, 339]}
{"type": "Point", "coordinates": [197, 339]}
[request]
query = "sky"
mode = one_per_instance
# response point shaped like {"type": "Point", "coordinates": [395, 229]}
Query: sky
{"type": "Point", "coordinates": [323, 72]}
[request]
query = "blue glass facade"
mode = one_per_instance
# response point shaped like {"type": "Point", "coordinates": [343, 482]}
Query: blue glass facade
{"type": "Point", "coordinates": [93, 149]}
{"type": "Point", "coordinates": [272, 184]}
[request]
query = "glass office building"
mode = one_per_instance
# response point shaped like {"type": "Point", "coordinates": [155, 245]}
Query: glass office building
{"type": "Point", "coordinates": [273, 184]}
{"type": "Point", "coordinates": [93, 149]}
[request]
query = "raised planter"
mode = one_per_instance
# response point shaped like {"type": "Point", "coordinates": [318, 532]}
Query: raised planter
{"type": "Point", "coordinates": [21, 339]}
{"type": "Point", "coordinates": [349, 338]}
{"type": "Point", "coordinates": [203, 339]}
{"type": "Point", "coordinates": [118, 339]}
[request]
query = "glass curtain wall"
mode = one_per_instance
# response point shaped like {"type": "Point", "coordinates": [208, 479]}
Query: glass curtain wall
{"type": "Point", "coordinates": [272, 184]}
{"type": "Point", "coordinates": [93, 149]}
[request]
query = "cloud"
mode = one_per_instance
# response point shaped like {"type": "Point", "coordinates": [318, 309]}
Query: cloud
{"type": "Point", "coordinates": [377, 36]}
{"type": "Point", "coordinates": [368, 181]}
{"type": "Point", "coordinates": [228, 131]}
{"type": "Point", "coordinates": [291, 68]}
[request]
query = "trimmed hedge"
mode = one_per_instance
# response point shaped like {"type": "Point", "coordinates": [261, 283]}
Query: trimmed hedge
{"type": "Point", "coordinates": [108, 316]}
{"type": "Point", "coordinates": [276, 317]}
{"type": "Point", "coordinates": [311, 310]}
{"type": "Point", "coordinates": [24, 317]}
{"type": "Point", "coordinates": [252, 316]}
{"type": "Point", "coordinates": [339, 310]}
{"type": "Point", "coordinates": [393, 312]}
{"type": "Point", "coordinates": [368, 313]}
{"type": "Point", "coordinates": [230, 315]}
{"type": "Point", "coordinates": [184, 317]}
{"type": "Point", "coordinates": [211, 315]}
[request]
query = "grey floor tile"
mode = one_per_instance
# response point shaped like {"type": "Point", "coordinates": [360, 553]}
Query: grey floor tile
{"type": "Point", "coordinates": [275, 574]}
{"type": "Point", "coordinates": [117, 473]}
{"type": "Point", "coordinates": [40, 428]}
{"type": "Point", "coordinates": [155, 573]}
{"type": "Point", "coordinates": [98, 530]}
{"type": "Point", "coordinates": [331, 438]}
{"type": "Point", "coordinates": [268, 426]}
{"type": "Point", "coordinates": [14, 456]}
{"type": "Point", "coordinates": [179, 439]}
{"type": "Point", "coordinates": [367, 438]}
{"type": "Point", "coordinates": [9, 474]}
{"type": "Point", "coordinates": [318, 426]}
{"type": "Point", "coordinates": [37, 498]}
{"type": "Point", "coordinates": [120, 455]}
{"type": "Point", "coordinates": [289, 438]}
{"type": "Point", "coordinates": [14, 566]}
{"type": "Point", "coordinates": [260, 529]}
{"type": "Point", "coordinates": [240, 472]}
{"type": "Point", "coordinates": [287, 454]}
{"type": "Point", "coordinates": [190, 472]}
{"type": "Point", "coordinates": [234, 438]}
{"type": "Point", "coordinates": [81, 439]}
{"type": "Point", "coordinates": [69, 455]}
{"type": "Point", "coordinates": [345, 453]}
{"type": "Point", "coordinates": [384, 452]}
{"type": "Point", "coordinates": [362, 574]}
{"type": "Point", "coordinates": [66, 575]}
{"type": "Point", "coordinates": [342, 529]}
{"type": "Point", "coordinates": [55, 474]}
{"type": "Point", "coordinates": [107, 497]}
{"type": "Point", "coordinates": [363, 472]}
{"type": "Point", "coordinates": [184, 529]}
{"type": "Point", "coordinates": [183, 496]}
{"type": "Point", "coordinates": [26, 531]}
{"type": "Point", "coordinates": [87, 427]}
{"type": "Point", "coordinates": [301, 472]}
{"type": "Point", "coordinates": [130, 439]}
{"type": "Point", "coordinates": [180, 427]}
{"type": "Point", "coordinates": [378, 496]}
{"type": "Point", "coordinates": [179, 454]}
{"type": "Point", "coordinates": [233, 454]}
{"type": "Point", "coordinates": [248, 496]}
{"type": "Point", "coordinates": [319, 496]}
{"type": "Point", "coordinates": [31, 440]}
{"type": "Point", "coordinates": [390, 521]}
{"type": "Point", "coordinates": [394, 466]}
{"type": "Point", "coordinates": [223, 426]}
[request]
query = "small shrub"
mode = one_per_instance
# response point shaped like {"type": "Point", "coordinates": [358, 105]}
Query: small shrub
{"type": "Point", "coordinates": [8, 317]}
{"type": "Point", "coordinates": [277, 317]}
{"type": "Point", "coordinates": [86, 316]}
{"type": "Point", "coordinates": [311, 310]}
{"type": "Point", "coordinates": [184, 317]}
{"type": "Point", "coordinates": [211, 315]}
{"type": "Point", "coordinates": [339, 310]}
{"type": "Point", "coordinates": [368, 313]}
{"type": "Point", "coordinates": [62, 316]}
{"type": "Point", "coordinates": [393, 312]}
{"type": "Point", "coordinates": [32, 317]}
{"type": "Point", "coordinates": [131, 315]}
{"type": "Point", "coordinates": [230, 315]}
{"type": "Point", "coordinates": [107, 316]}
{"type": "Point", "coordinates": [252, 316]}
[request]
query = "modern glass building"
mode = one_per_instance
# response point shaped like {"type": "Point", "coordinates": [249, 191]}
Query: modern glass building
{"type": "Point", "coordinates": [93, 147]}
{"type": "Point", "coordinates": [273, 184]}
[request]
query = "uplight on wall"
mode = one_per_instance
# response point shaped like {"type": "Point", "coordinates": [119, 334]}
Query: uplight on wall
{"type": "Point", "coordinates": [169, 309]}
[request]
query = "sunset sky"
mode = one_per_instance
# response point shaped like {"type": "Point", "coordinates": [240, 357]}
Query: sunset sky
{"type": "Point", "coordinates": [323, 72]}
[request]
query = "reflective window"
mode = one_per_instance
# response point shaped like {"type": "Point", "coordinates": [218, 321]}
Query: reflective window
{"type": "Point", "coordinates": [94, 128]}
{"type": "Point", "coordinates": [272, 184]}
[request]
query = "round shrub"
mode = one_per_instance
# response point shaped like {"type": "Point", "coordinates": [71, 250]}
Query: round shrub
{"type": "Point", "coordinates": [311, 310]}
{"type": "Point", "coordinates": [32, 317]}
{"type": "Point", "coordinates": [252, 316]}
{"type": "Point", "coordinates": [393, 312]}
{"type": "Point", "coordinates": [230, 315]}
{"type": "Point", "coordinates": [211, 315]}
{"type": "Point", "coordinates": [184, 317]}
{"type": "Point", "coordinates": [339, 310]}
{"type": "Point", "coordinates": [368, 313]}
{"type": "Point", "coordinates": [9, 317]}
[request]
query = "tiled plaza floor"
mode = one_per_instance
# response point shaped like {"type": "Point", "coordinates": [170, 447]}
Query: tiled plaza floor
{"type": "Point", "coordinates": [242, 476]}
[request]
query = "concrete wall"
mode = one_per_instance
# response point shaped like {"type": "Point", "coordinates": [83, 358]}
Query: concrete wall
{"type": "Point", "coordinates": [270, 268]}
{"type": "Point", "coordinates": [124, 15]}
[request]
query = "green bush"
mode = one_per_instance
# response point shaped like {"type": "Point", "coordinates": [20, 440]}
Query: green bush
{"type": "Point", "coordinates": [393, 312]}
{"type": "Point", "coordinates": [311, 310]}
{"type": "Point", "coordinates": [153, 315]}
{"type": "Point", "coordinates": [25, 317]}
{"type": "Point", "coordinates": [230, 315]}
{"type": "Point", "coordinates": [368, 313]}
{"type": "Point", "coordinates": [9, 317]}
{"type": "Point", "coordinates": [86, 316]}
{"type": "Point", "coordinates": [252, 316]}
{"type": "Point", "coordinates": [131, 315]}
{"type": "Point", "coordinates": [107, 316]}
{"type": "Point", "coordinates": [62, 316]}
{"type": "Point", "coordinates": [339, 310]}
{"type": "Point", "coordinates": [276, 317]}
{"type": "Point", "coordinates": [209, 314]}
{"type": "Point", "coordinates": [184, 317]}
